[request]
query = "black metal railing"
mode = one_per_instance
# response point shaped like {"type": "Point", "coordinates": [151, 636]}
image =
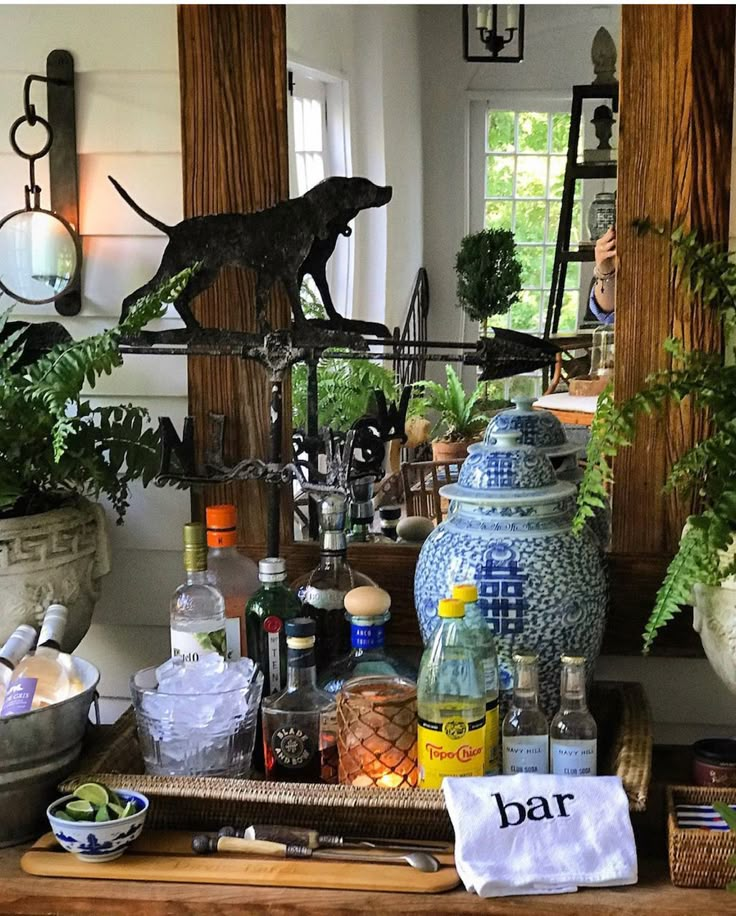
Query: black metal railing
{"type": "Point", "coordinates": [410, 347]}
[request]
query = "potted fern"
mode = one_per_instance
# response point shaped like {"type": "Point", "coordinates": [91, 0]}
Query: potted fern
{"type": "Point", "coordinates": [58, 455]}
{"type": "Point", "coordinates": [703, 570]}
{"type": "Point", "coordinates": [460, 419]}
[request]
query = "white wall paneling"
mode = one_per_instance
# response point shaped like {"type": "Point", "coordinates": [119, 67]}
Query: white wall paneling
{"type": "Point", "coordinates": [152, 180]}
{"type": "Point", "coordinates": [127, 96]}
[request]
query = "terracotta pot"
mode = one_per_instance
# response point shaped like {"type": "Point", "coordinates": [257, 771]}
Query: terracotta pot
{"type": "Point", "coordinates": [53, 556]}
{"type": "Point", "coordinates": [449, 451]}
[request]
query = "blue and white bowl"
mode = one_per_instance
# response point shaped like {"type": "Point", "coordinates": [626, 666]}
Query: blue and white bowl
{"type": "Point", "coordinates": [93, 842]}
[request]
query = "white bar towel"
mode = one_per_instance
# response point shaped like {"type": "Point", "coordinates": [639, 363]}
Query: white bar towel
{"type": "Point", "coordinates": [531, 834]}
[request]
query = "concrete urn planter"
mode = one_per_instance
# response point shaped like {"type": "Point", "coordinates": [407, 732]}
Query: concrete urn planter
{"type": "Point", "coordinates": [54, 556]}
{"type": "Point", "coordinates": [714, 619]}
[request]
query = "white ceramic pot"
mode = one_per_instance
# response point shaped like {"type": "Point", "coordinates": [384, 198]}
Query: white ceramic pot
{"type": "Point", "coordinates": [714, 619]}
{"type": "Point", "coordinates": [54, 556]}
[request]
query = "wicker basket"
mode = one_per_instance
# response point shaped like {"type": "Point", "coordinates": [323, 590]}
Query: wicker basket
{"type": "Point", "coordinates": [625, 748]}
{"type": "Point", "coordinates": [699, 858]}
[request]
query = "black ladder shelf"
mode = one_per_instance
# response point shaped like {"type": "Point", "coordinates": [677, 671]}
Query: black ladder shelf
{"type": "Point", "coordinates": [575, 170]}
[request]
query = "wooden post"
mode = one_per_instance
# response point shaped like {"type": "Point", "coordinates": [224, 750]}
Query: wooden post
{"type": "Point", "coordinates": [677, 73]}
{"type": "Point", "coordinates": [232, 62]}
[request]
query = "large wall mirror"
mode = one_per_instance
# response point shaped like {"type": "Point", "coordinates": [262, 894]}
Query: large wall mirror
{"type": "Point", "coordinates": [385, 91]}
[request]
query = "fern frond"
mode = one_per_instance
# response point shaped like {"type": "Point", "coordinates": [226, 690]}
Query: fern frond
{"type": "Point", "coordinates": [692, 563]}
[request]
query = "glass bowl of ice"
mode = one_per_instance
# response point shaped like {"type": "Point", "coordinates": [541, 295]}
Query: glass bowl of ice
{"type": "Point", "coordinates": [198, 718]}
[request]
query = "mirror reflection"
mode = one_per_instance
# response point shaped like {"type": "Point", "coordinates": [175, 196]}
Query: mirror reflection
{"type": "Point", "coordinates": [487, 212]}
{"type": "Point", "coordinates": [38, 256]}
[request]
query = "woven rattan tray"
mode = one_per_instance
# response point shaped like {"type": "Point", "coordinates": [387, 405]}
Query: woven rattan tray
{"type": "Point", "coordinates": [699, 858]}
{"type": "Point", "coordinates": [625, 749]}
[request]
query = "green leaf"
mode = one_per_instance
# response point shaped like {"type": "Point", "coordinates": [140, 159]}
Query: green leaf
{"type": "Point", "coordinates": [727, 813]}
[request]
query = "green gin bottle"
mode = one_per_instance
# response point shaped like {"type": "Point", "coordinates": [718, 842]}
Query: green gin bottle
{"type": "Point", "coordinates": [265, 617]}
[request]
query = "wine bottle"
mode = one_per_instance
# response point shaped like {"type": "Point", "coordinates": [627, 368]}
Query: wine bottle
{"type": "Point", "coordinates": [45, 676]}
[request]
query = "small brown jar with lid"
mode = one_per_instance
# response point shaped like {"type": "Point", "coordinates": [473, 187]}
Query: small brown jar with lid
{"type": "Point", "coordinates": [715, 762]}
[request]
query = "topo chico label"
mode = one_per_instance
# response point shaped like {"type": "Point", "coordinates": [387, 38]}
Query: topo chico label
{"type": "Point", "coordinates": [574, 758]}
{"type": "Point", "coordinates": [525, 754]}
{"type": "Point", "coordinates": [454, 747]}
{"type": "Point", "coordinates": [292, 747]}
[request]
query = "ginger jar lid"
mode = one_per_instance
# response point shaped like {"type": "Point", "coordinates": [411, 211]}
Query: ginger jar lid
{"type": "Point", "coordinates": [540, 428]}
{"type": "Point", "coordinates": [503, 469]}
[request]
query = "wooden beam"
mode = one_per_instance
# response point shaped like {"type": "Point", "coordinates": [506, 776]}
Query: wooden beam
{"type": "Point", "coordinates": [232, 62]}
{"type": "Point", "coordinates": [677, 70]}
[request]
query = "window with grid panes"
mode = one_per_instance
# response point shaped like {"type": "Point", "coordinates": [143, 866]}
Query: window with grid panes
{"type": "Point", "coordinates": [525, 160]}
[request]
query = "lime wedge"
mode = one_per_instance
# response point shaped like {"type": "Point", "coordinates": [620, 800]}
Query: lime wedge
{"type": "Point", "coordinates": [116, 809]}
{"type": "Point", "coordinates": [80, 810]}
{"type": "Point", "coordinates": [129, 809]}
{"type": "Point", "coordinates": [93, 792]}
{"type": "Point", "coordinates": [63, 816]}
{"type": "Point", "coordinates": [103, 814]}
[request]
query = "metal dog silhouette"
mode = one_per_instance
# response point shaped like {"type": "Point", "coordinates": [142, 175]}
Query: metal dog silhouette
{"type": "Point", "coordinates": [284, 242]}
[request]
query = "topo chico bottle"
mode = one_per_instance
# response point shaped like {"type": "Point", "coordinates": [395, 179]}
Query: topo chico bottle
{"type": "Point", "coordinates": [451, 702]}
{"type": "Point", "coordinates": [525, 729]}
{"type": "Point", "coordinates": [573, 732]}
{"type": "Point", "coordinates": [482, 635]}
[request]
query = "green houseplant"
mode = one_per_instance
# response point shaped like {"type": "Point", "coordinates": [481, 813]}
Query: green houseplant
{"type": "Point", "coordinates": [705, 561]}
{"type": "Point", "coordinates": [460, 418]}
{"type": "Point", "coordinates": [59, 454]}
{"type": "Point", "coordinates": [488, 274]}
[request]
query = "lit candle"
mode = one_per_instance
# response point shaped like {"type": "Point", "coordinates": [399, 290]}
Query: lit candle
{"type": "Point", "coordinates": [512, 16]}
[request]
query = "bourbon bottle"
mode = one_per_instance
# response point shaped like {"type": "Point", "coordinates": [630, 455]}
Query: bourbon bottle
{"type": "Point", "coordinates": [300, 722]}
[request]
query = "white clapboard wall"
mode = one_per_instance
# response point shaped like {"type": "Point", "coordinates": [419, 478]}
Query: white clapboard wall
{"type": "Point", "coordinates": [128, 126]}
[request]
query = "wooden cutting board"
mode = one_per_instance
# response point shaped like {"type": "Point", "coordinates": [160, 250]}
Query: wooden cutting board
{"type": "Point", "coordinates": [161, 855]}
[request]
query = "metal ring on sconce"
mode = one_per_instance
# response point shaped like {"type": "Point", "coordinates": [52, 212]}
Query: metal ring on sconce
{"type": "Point", "coordinates": [71, 279]}
{"type": "Point", "coordinates": [40, 248]}
{"type": "Point", "coordinates": [23, 119]}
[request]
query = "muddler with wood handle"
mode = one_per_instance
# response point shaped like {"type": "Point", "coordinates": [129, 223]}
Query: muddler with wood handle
{"type": "Point", "coordinates": [305, 836]}
{"type": "Point", "coordinates": [203, 844]}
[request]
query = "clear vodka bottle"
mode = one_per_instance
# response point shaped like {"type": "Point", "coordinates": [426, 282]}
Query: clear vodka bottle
{"type": "Point", "coordinates": [197, 607]}
{"type": "Point", "coordinates": [322, 592]}
{"type": "Point", "coordinates": [573, 732]}
{"type": "Point", "coordinates": [525, 730]}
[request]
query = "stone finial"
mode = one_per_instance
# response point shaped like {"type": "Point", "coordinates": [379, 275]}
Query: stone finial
{"type": "Point", "coordinates": [603, 55]}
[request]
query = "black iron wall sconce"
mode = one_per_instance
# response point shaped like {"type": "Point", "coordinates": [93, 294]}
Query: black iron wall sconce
{"type": "Point", "coordinates": [40, 249]}
{"type": "Point", "coordinates": [495, 34]}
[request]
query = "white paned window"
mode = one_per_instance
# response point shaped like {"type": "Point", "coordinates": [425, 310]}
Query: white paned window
{"type": "Point", "coordinates": [319, 147]}
{"type": "Point", "coordinates": [525, 156]}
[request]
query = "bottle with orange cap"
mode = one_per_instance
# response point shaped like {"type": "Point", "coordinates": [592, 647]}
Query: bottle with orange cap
{"type": "Point", "coordinates": [234, 575]}
{"type": "Point", "coordinates": [451, 702]}
{"type": "Point", "coordinates": [481, 636]}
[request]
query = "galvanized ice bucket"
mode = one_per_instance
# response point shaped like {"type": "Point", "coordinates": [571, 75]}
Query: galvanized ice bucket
{"type": "Point", "coordinates": [37, 750]}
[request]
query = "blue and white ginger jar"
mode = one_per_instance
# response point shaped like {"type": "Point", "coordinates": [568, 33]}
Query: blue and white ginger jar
{"type": "Point", "coordinates": [508, 529]}
{"type": "Point", "coordinates": [540, 428]}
